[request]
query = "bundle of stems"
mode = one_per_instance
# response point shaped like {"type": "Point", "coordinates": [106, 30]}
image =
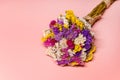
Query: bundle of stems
{"type": "Point", "coordinates": [98, 11]}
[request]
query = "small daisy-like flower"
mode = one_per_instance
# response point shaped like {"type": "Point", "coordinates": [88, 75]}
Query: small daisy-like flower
{"type": "Point", "coordinates": [63, 18]}
{"type": "Point", "coordinates": [51, 52]}
{"type": "Point", "coordinates": [46, 32]}
{"type": "Point", "coordinates": [83, 55]}
{"type": "Point", "coordinates": [80, 40]}
{"type": "Point", "coordinates": [71, 53]}
{"type": "Point", "coordinates": [63, 43]}
{"type": "Point", "coordinates": [58, 54]}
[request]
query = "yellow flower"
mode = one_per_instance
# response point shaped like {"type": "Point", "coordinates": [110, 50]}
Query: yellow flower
{"type": "Point", "coordinates": [50, 35]}
{"type": "Point", "coordinates": [47, 36]}
{"type": "Point", "coordinates": [89, 57]}
{"type": "Point", "coordinates": [69, 12]}
{"type": "Point", "coordinates": [44, 39]}
{"type": "Point", "coordinates": [90, 54]}
{"type": "Point", "coordinates": [66, 26]}
{"type": "Point", "coordinates": [77, 48]}
{"type": "Point", "coordinates": [93, 49]}
{"type": "Point", "coordinates": [73, 19]}
{"type": "Point", "coordinates": [74, 64]}
{"type": "Point", "coordinates": [79, 24]}
{"type": "Point", "coordinates": [60, 27]}
{"type": "Point", "coordinates": [68, 17]}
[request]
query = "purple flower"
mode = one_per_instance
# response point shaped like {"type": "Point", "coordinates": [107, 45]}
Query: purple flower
{"type": "Point", "coordinates": [75, 59]}
{"type": "Point", "coordinates": [88, 39]}
{"type": "Point", "coordinates": [73, 26]}
{"type": "Point", "coordinates": [78, 60]}
{"type": "Point", "coordinates": [63, 62]}
{"type": "Point", "coordinates": [71, 33]}
{"type": "Point", "coordinates": [85, 32]}
{"type": "Point", "coordinates": [75, 34]}
{"type": "Point", "coordinates": [55, 30]}
{"type": "Point", "coordinates": [64, 30]}
{"type": "Point", "coordinates": [70, 36]}
{"type": "Point", "coordinates": [87, 46]}
{"type": "Point", "coordinates": [77, 54]}
{"type": "Point", "coordinates": [65, 56]}
{"type": "Point", "coordinates": [88, 36]}
{"type": "Point", "coordinates": [59, 36]}
{"type": "Point", "coordinates": [66, 34]}
{"type": "Point", "coordinates": [87, 51]}
{"type": "Point", "coordinates": [60, 21]}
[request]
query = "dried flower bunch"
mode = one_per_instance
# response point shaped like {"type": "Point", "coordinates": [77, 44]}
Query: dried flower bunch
{"type": "Point", "coordinates": [70, 39]}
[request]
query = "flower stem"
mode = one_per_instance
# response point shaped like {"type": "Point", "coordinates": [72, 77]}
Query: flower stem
{"type": "Point", "coordinates": [98, 11]}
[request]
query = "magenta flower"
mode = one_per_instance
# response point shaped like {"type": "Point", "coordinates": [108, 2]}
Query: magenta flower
{"type": "Point", "coordinates": [52, 23]}
{"type": "Point", "coordinates": [49, 42]}
{"type": "Point", "coordinates": [70, 44]}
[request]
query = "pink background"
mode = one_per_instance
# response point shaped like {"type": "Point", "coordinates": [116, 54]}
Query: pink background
{"type": "Point", "coordinates": [22, 55]}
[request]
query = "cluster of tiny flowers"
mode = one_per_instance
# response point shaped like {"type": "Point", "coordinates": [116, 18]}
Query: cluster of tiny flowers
{"type": "Point", "coordinates": [69, 40]}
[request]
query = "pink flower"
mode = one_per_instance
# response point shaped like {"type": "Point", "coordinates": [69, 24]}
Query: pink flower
{"type": "Point", "coordinates": [70, 44]}
{"type": "Point", "coordinates": [52, 23]}
{"type": "Point", "coordinates": [49, 42]}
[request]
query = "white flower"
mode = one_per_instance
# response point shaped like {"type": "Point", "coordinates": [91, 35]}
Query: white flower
{"type": "Point", "coordinates": [83, 49]}
{"type": "Point", "coordinates": [51, 52]}
{"type": "Point", "coordinates": [57, 45]}
{"type": "Point", "coordinates": [55, 51]}
{"type": "Point", "coordinates": [46, 32]}
{"type": "Point", "coordinates": [63, 43]}
{"type": "Point", "coordinates": [71, 52]}
{"type": "Point", "coordinates": [92, 33]}
{"type": "Point", "coordinates": [80, 40]}
{"type": "Point", "coordinates": [65, 21]}
{"type": "Point", "coordinates": [83, 55]}
{"type": "Point", "coordinates": [87, 25]}
{"type": "Point", "coordinates": [58, 55]}
{"type": "Point", "coordinates": [63, 18]}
